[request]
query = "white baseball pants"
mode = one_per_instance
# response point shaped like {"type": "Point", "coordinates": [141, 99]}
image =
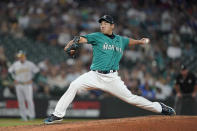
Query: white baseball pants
{"type": "Point", "coordinates": [25, 93]}
{"type": "Point", "coordinates": [111, 83]}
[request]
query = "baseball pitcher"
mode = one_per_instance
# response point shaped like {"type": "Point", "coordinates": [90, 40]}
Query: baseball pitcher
{"type": "Point", "coordinates": [107, 52]}
{"type": "Point", "coordinates": [22, 72]}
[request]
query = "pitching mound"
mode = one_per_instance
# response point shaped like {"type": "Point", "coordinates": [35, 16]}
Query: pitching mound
{"type": "Point", "coordinates": [149, 123]}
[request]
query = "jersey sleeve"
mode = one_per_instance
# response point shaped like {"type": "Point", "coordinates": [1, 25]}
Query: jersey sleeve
{"type": "Point", "coordinates": [91, 38]}
{"type": "Point", "coordinates": [125, 41]}
{"type": "Point", "coordinates": [34, 68]}
{"type": "Point", "coordinates": [11, 69]}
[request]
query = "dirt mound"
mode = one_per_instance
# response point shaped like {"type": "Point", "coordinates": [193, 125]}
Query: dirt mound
{"type": "Point", "coordinates": [149, 123]}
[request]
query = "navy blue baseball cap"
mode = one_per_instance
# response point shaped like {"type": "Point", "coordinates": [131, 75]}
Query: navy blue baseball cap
{"type": "Point", "coordinates": [106, 18]}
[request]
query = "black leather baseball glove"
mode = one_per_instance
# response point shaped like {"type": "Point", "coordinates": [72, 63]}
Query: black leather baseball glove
{"type": "Point", "coordinates": [72, 50]}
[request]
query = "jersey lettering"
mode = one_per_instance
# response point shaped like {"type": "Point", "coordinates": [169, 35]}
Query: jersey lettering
{"type": "Point", "coordinates": [111, 47]}
{"type": "Point", "coordinates": [22, 70]}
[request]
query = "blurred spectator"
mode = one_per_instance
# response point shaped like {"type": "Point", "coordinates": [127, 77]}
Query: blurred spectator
{"type": "Point", "coordinates": [189, 51]}
{"type": "Point", "coordinates": [73, 71]}
{"type": "Point", "coordinates": [95, 94]}
{"type": "Point", "coordinates": [186, 29]}
{"type": "Point", "coordinates": [147, 91]}
{"type": "Point", "coordinates": [44, 65]}
{"type": "Point", "coordinates": [23, 21]}
{"type": "Point", "coordinates": [133, 55]}
{"type": "Point", "coordinates": [42, 83]}
{"type": "Point", "coordinates": [133, 85]}
{"type": "Point", "coordinates": [174, 51]}
{"type": "Point", "coordinates": [16, 31]}
{"type": "Point", "coordinates": [61, 80]}
{"type": "Point", "coordinates": [166, 23]}
{"type": "Point", "coordinates": [4, 27]}
{"type": "Point", "coordinates": [61, 84]}
{"type": "Point", "coordinates": [163, 90]}
{"type": "Point", "coordinates": [174, 36]}
{"type": "Point", "coordinates": [51, 79]}
{"type": "Point", "coordinates": [3, 61]}
{"type": "Point", "coordinates": [6, 86]}
{"type": "Point", "coordinates": [64, 37]}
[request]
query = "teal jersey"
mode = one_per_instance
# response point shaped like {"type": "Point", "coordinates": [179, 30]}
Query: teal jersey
{"type": "Point", "coordinates": [107, 52]}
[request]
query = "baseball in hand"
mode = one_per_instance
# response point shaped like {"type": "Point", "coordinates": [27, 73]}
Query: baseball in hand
{"type": "Point", "coordinates": [147, 40]}
{"type": "Point", "coordinates": [146, 44]}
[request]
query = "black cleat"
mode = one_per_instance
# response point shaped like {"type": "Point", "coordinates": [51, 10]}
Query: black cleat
{"type": "Point", "coordinates": [52, 119]}
{"type": "Point", "coordinates": [166, 110]}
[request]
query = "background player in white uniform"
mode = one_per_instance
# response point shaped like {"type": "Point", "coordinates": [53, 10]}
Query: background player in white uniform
{"type": "Point", "coordinates": [107, 51]}
{"type": "Point", "coordinates": [23, 72]}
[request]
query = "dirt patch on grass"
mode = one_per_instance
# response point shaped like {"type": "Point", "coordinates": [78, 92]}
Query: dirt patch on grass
{"type": "Point", "coordinates": [148, 123]}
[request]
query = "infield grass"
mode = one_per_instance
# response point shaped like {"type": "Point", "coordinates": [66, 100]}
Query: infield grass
{"type": "Point", "coordinates": [4, 122]}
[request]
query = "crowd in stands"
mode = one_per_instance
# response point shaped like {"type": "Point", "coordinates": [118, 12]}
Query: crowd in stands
{"type": "Point", "coordinates": [170, 24]}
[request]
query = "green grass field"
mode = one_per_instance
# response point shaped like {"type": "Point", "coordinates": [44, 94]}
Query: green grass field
{"type": "Point", "coordinates": [16, 121]}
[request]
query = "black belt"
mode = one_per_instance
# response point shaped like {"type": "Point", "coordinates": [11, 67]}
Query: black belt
{"type": "Point", "coordinates": [105, 72]}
